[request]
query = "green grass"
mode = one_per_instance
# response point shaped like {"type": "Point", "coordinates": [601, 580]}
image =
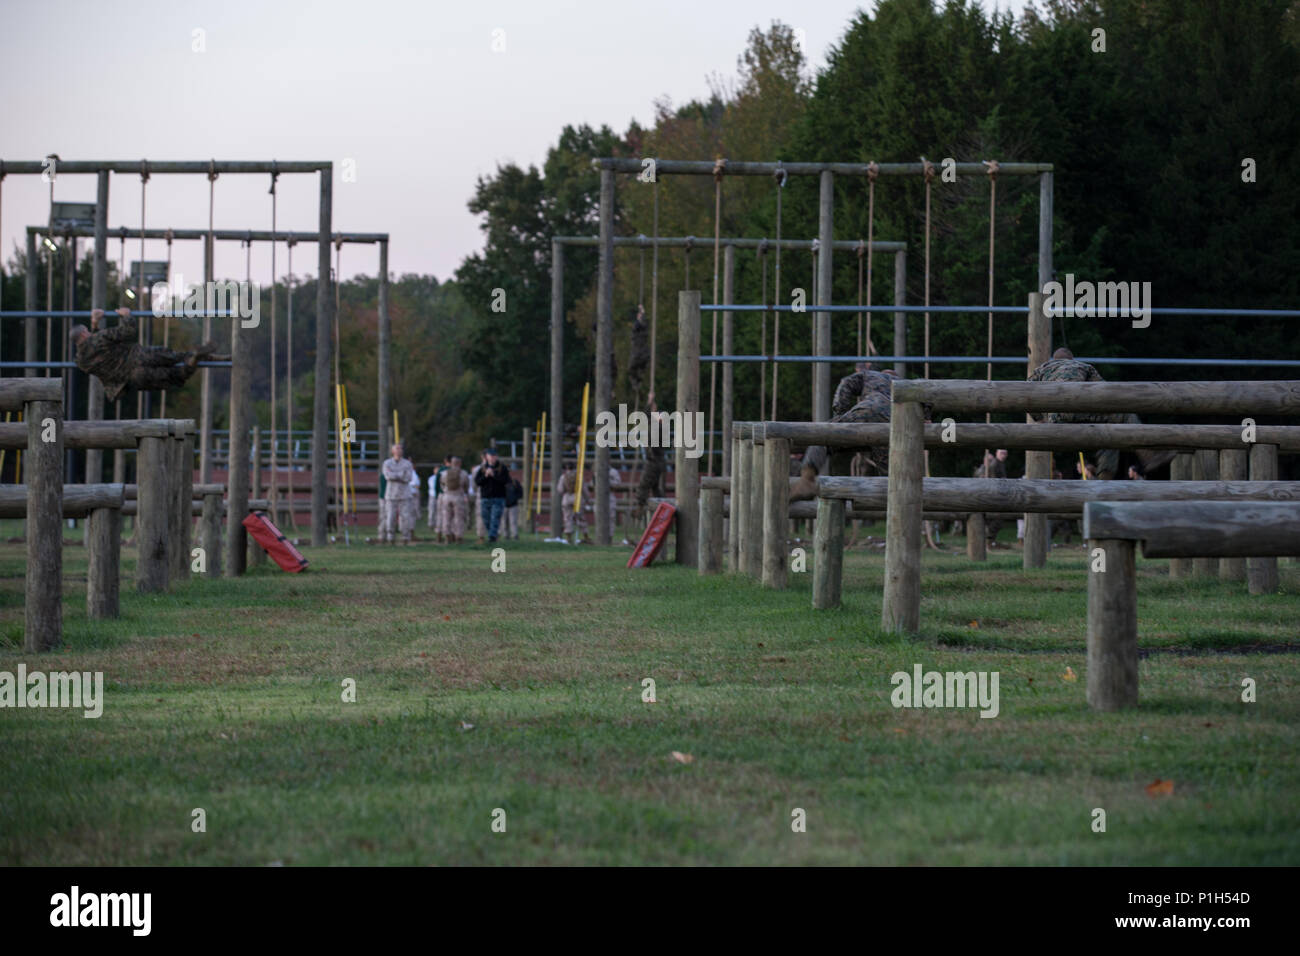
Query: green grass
{"type": "Point", "coordinates": [226, 695]}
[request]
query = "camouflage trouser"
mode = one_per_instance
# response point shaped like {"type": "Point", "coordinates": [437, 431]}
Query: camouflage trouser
{"type": "Point", "coordinates": [402, 513]}
{"type": "Point", "coordinates": [154, 369]}
{"type": "Point", "coordinates": [452, 518]}
{"type": "Point", "coordinates": [570, 517]}
{"type": "Point", "coordinates": [433, 512]}
{"type": "Point", "coordinates": [510, 522]}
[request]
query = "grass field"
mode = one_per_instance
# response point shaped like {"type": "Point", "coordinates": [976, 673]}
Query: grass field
{"type": "Point", "coordinates": [226, 695]}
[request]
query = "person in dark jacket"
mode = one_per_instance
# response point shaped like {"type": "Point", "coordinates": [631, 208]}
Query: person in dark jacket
{"type": "Point", "coordinates": [492, 480]}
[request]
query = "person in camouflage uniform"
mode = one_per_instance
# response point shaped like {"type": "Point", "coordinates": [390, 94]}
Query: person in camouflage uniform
{"type": "Point", "coordinates": [873, 406]}
{"type": "Point", "coordinates": [1064, 367]}
{"type": "Point", "coordinates": [116, 358]}
{"type": "Point", "coordinates": [853, 388]}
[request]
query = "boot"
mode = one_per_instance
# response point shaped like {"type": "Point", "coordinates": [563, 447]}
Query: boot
{"type": "Point", "coordinates": [806, 487]}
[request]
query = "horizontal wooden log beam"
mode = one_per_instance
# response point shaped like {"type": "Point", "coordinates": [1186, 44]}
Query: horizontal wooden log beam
{"type": "Point", "coordinates": [1039, 437]}
{"type": "Point", "coordinates": [1016, 495]}
{"type": "Point", "coordinates": [96, 434]}
{"type": "Point", "coordinates": [78, 500]}
{"type": "Point", "coordinates": [16, 392]}
{"type": "Point", "coordinates": [1143, 398]}
{"type": "Point", "coordinates": [1199, 529]}
{"type": "Point", "coordinates": [132, 491]}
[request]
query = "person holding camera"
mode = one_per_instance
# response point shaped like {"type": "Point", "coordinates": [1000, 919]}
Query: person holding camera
{"type": "Point", "coordinates": [493, 479]}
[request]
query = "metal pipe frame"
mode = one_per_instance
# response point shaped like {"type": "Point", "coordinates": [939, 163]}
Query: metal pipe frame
{"type": "Point", "coordinates": [1002, 360]}
{"type": "Point", "coordinates": [686, 167]}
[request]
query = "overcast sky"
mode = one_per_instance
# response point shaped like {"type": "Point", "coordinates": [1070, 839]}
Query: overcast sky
{"type": "Point", "coordinates": [413, 92]}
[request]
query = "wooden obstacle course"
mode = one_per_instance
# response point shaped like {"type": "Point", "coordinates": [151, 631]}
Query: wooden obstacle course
{"type": "Point", "coordinates": [1164, 529]}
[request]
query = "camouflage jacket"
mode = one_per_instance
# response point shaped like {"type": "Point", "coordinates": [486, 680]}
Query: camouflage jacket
{"type": "Point", "coordinates": [854, 388]}
{"type": "Point", "coordinates": [109, 355]}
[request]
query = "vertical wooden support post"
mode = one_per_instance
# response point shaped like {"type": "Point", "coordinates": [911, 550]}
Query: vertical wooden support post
{"type": "Point", "coordinates": [828, 553]}
{"type": "Point", "coordinates": [210, 535]}
{"type": "Point", "coordinates": [526, 506]}
{"type": "Point", "coordinates": [728, 343]}
{"type": "Point", "coordinates": [900, 318]}
{"type": "Point", "coordinates": [237, 480]}
{"type": "Point", "coordinates": [154, 464]}
{"type": "Point", "coordinates": [754, 520]}
{"type": "Point", "coordinates": [742, 474]}
{"type": "Point", "coordinates": [1180, 469]}
{"type": "Point", "coordinates": [733, 522]}
{"type": "Point", "coordinates": [205, 379]}
{"type": "Point", "coordinates": [182, 501]}
{"type": "Point", "coordinates": [256, 555]}
{"type": "Point", "coordinates": [686, 527]}
{"type": "Point", "coordinates": [976, 537]}
{"type": "Point", "coordinates": [30, 292]}
{"type": "Point", "coordinates": [1205, 467]}
{"type": "Point", "coordinates": [385, 414]}
{"type": "Point", "coordinates": [237, 509]}
{"type": "Point", "coordinates": [776, 512]}
{"type": "Point", "coordinates": [98, 300]}
{"type": "Point", "coordinates": [1038, 464]}
{"type": "Point", "coordinates": [1261, 573]}
{"type": "Point", "coordinates": [1112, 626]}
{"type": "Point", "coordinates": [557, 384]}
{"type": "Point", "coordinates": [710, 549]}
{"type": "Point", "coordinates": [1234, 465]}
{"type": "Point", "coordinates": [104, 559]}
{"type": "Point", "coordinates": [901, 607]}
{"type": "Point", "coordinates": [687, 477]}
{"type": "Point", "coordinates": [821, 377]}
{"type": "Point", "coordinates": [43, 471]}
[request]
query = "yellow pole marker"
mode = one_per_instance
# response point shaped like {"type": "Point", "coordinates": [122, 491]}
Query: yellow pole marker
{"type": "Point", "coordinates": [1083, 468]}
{"type": "Point", "coordinates": [338, 452]}
{"type": "Point", "coordinates": [541, 458]}
{"type": "Point", "coordinates": [582, 450]}
{"type": "Point", "coordinates": [348, 476]}
{"type": "Point", "coordinates": [397, 435]}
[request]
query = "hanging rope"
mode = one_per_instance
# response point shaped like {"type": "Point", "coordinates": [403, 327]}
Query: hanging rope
{"type": "Point", "coordinates": [929, 178]}
{"type": "Point", "coordinates": [274, 494]}
{"type": "Point", "coordinates": [167, 326]}
{"type": "Point", "coordinates": [762, 378]}
{"type": "Point", "coordinates": [288, 382]}
{"type": "Point", "coordinates": [719, 168]}
{"type": "Point", "coordinates": [781, 177]}
{"type": "Point", "coordinates": [338, 374]}
{"type": "Point", "coordinates": [654, 286]}
{"type": "Point", "coordinates": [873, 170]}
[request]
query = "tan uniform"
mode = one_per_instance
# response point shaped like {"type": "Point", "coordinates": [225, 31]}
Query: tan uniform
{"type": "Point", "coordinates": [398, 499]}
{"type": "Point", "coordinates": [568, 489]}
{"type": "Point", "coordinates": [451, 502]}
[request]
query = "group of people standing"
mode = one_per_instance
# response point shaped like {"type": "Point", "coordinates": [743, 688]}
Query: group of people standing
{"type": "Point", "coordinates": [488, 490]}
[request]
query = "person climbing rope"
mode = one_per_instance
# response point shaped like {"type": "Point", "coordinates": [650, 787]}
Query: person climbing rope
{"type": "Point", "coordinates": [116, 358]}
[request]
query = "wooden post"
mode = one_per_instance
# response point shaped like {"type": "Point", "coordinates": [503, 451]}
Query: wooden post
{"type": "Point", "coordinates": [1038, 464]}
{"type": "Point", "coordinates": [210, 535]}
{"type": "Point", "coordinates": [104, 557]}
{"type": "Point", "coordinates": [384, 407]}
{"type": "Point", "coordinates": [828, 553]}
{"type": "Point", "coordinates": [43, 471]}
{"type": "Point", "coordinates": [183, 500]}
{"type": "Point", "coordinates": [98, 300]}
{"type": "Point", "coordinates": [1180, 469]}
{"type": "Point", "coordinates": [1205, 467]}
{"type": "Point", "coordinates": [1112, 626]}
{"type": "Point", "coordinates": [901, 606]}
{"type": "Point", "coordinates": [900, 318]}
{"type": "Point", "coordinates": [776, 512]}
{"type": "Point", "coordinates": [741, 478]}
{"type": "Point", "coordinates": [256, 555]}
{"type": "Point", "coordinates": [686, 523]}
{"type": "Point", "coordinates": [237, 509]}
{"type": "Point", "coordinates": [557, 385]}
{"type": "Point", "coordinates": [687, 476]}
{"type": "Point", "coordinates": [1261, 573]}
{"type": "Point", "coordinates": [733, 522]}
{"type": "Point", "coordinates": [237, 480]}
{"type": "Point", "coordinates": [1233, 466]}
{"type": "Point", "coordinates": [976, 537]}
{"type": "Point", "coordinates": [710, 550]}
{"type": "Point", "coordinates": [754, 529]}
{"type": "Point", "coordinates": [154, 464]}
{"type": "Point", "coordinates": [728, 343]}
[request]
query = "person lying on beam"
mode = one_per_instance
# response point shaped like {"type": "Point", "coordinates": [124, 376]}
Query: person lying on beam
{"type": "Point", "coordinates": [116, 358]}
